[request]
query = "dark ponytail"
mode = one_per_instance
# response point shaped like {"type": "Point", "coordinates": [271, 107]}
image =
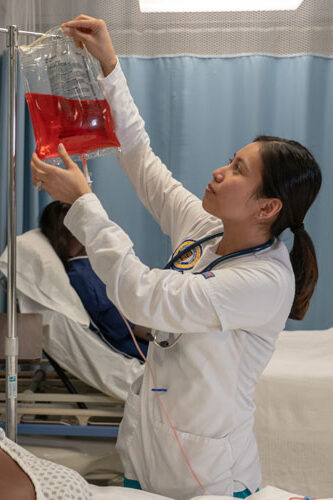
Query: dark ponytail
{"type": "Point", "coordinates": [52, 226]}
{"type": "Point", "coordinates": [291, 174]}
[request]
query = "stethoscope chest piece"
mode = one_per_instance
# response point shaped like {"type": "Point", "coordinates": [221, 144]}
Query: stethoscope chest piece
{"type": "Point", "coordinates": [164, 344]}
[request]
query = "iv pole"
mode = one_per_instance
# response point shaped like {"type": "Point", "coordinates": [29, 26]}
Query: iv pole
{"type": "Point", "coordinates": [11, 344]}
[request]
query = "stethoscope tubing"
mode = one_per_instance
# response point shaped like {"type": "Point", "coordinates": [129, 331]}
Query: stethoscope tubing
{"type": "Point", "coordinates": [240, 253]}
{"type": "Point", "coordinates": [189, 248]}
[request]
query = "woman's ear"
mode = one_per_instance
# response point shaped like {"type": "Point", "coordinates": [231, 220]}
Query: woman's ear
{"type": "Point", "coordinates": [269, 208]}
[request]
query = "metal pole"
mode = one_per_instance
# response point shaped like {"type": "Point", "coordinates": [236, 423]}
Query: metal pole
{"type": "Point", "coordinates": [21, 32]}
{"type": "Point", "coordinates": [33, 33]}
{"type": "Point", "coordinates": [11, 345]}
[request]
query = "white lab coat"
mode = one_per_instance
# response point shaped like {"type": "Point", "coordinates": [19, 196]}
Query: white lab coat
{"type": "Point", "coordinates": [230, 322]}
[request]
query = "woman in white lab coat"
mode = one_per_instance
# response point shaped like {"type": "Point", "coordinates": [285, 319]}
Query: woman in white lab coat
{"type": "Point", "coordinates": [229, 296]}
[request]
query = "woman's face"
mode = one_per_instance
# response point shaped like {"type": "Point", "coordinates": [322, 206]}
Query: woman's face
{"type": "Point", "coordinates": [231, 193]}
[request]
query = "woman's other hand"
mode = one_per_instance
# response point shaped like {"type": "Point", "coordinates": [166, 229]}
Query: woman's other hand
{"type": "Point", "coordinates": [66, 185]}
{"type": "Point", "coordinates": [94, 35]}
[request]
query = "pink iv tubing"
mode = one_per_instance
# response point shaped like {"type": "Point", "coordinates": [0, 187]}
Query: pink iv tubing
{"type": "Point", "coordinates": [163, 407]}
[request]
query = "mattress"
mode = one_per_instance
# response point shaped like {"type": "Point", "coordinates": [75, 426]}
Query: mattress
{"type": "Point", "coordinates": [294, 415]}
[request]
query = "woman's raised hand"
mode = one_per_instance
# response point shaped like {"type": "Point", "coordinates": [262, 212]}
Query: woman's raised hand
{"type": "Point", "coordinates": [65, 185]}
{"type": "Point", "coordinates": [94, 35]}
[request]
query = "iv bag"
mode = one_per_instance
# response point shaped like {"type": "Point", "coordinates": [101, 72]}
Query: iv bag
{"type": "Point", "coordinates": [65, 101]}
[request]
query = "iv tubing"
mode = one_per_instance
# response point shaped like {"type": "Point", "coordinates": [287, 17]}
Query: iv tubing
{"type": "Point", "coordinates": [197, 480]}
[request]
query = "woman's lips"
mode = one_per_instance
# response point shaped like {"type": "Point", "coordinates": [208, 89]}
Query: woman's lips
{"type": "Point", "coordinates": [209, 188]}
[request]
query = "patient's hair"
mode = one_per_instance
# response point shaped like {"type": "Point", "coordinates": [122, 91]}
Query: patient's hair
{"type": "Point", "coordinates": [291, 174]}
{"type": "Point", "coordinates": [51, 224]}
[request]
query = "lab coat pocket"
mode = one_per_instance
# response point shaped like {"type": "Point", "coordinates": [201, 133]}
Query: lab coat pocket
{"type": "Point", "coordinates": [210, 458]}
{"type": "Point", "coordinates": [129, 425]}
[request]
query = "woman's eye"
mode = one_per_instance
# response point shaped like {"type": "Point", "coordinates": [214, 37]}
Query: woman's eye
{"type": "Point", "coordinates": [235, 167]}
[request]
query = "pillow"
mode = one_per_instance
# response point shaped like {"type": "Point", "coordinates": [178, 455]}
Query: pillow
{"type": "Point", "coordinates": [41, 276]}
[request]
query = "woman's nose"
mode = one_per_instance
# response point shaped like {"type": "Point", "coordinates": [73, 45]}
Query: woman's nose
{"type": "Point", "coordinates": [218, 174]}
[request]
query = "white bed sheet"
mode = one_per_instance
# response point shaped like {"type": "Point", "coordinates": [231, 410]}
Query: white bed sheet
{"type": "Point", "coordinates": [116, 493]}
{"type": "Point", "coordinates": [294, 416]}
{"type": "Point", "coordinates": [41, 276]}
{"type": "Point", "coordinates": [80, 351]}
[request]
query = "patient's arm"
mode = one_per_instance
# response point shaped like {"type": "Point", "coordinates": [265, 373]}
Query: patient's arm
{"type": "Point", "coordinates": [14, 483]}
{"type": "Point", "coordinates": [141, 332]}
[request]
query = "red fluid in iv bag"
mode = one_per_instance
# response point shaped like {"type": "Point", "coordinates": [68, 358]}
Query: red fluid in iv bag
{"type": "Point", "coordinates": [81, 125]}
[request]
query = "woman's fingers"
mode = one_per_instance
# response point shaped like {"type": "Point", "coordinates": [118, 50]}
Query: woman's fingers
{"type": "Point", "coordinates": [61, 184]}
{"type": "Point", "coordinates": [39, 168]}
{"type": "Point", "coordinates": [94, 35]}
{"type": "Point", "coordinates": [68, 162]}
{"type": "Point", "coordinates": [79, 29]}
{"type": "Point", "coordinates": [84, 25]}
{"type": "Point", "coordinates": [40, 172]}
{"type": "Point", "coordinates": [79, 44]}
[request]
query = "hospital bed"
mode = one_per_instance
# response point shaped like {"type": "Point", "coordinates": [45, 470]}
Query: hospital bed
{"type": "Point", "coordinates": [294, 415]}
{"type": "Point", "coordinates": [43, 287]}
{"type": "Point", "coordinates": [101, 375]}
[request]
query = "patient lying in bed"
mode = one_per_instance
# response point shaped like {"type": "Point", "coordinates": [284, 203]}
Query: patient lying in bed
{"type": "Point", "coordinates": [89, 287]}
{"type": "Point", "coordinates": [23, 476]}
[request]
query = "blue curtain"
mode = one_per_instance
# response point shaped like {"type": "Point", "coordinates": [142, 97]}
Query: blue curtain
{"type": "Point", "coordinates": [198, 112]}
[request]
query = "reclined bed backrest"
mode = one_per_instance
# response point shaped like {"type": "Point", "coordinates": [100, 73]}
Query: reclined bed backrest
{"type": "Point", "coordinates": [44, 287]}
{"type": "Point", "coordinates": [40, 275]}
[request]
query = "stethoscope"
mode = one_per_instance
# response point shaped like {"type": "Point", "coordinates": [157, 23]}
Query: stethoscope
{"type": "Point", "coordinates": [165, 344]}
